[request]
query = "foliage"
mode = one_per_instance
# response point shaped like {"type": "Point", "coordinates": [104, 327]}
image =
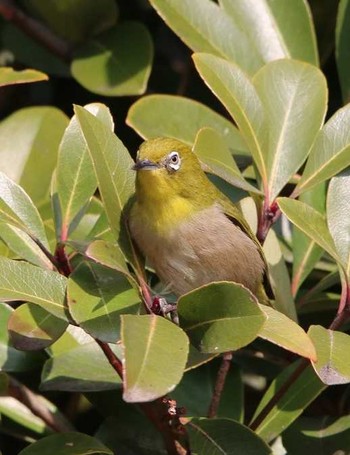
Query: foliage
{"type": "Point", "coordinates": [82, 334]}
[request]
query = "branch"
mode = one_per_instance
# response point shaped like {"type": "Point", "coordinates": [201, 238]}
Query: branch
{"type": "Point", "coordinates": [220, 384]}
{"type": "Point", "coordinates": [35, 29]}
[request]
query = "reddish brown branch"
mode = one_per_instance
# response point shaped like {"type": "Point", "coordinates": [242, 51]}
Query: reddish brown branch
{"type": "Point", "coordinates": [220, 384]}
{"type": "Point", "coordinates": [62, 260]}
{"type": "Point", "coordinates": [35, 29]}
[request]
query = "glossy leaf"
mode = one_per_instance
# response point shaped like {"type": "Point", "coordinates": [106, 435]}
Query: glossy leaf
{"type": "Point", "coordinates": [284, 332]}
{"type": "Point", "coordinates": [9, 76]}
{"type": "Point", "coordinates": [117, 62]}
{"type": "Point", "coordinates": [192, 21]}
{"type": "Point", "coordinates": [107, 254]}
{"type": "Point", "coordinates": [342, 50]}
{"type": "Point", "coordinates": [112, 165]}
{"type": "Point", "coordinates": [332, 366]}
{"type": "Point", "coordinates": [155, 354]}
{"type": "Point", "coordinates": [220, 317]}
{"type": "Point", "coordinates": [67, 444]}
{"type": "Point", "coordinates": [237, 93]}
{"type": "Point", "coordinates": [30, 133]}
{"type": "Point", "coordinates": [213, 152]}
{"type": "Point", "coordinates": [149, 116]}
{"type": "Point", "coordinates": [310, 221]}
{"type": "Point", "coordinates": [32, 328]}
{"type": "Point", "coordinates": [11, 359]}
{"type": "Point", "coordinates": [330, 152]}
{"type": "Point", "coordinates": [306, 252]}
{"type": "Point", "coordinates": [22, 281]}
{"type": "Point", "coordinates": [271, 27]}
{"type": "Point", "coordinates": [294, 96]}
{"type": "Point", "coordinates": [223, 436]}
{"type": "Point", "coordinates": [79, 368]}
{"type": "Point", "coordinates": [97, 296]}
{"type": "Point", "coordinates": [303, 390]}
{"type": "Point", "coordinates": [338, 209]}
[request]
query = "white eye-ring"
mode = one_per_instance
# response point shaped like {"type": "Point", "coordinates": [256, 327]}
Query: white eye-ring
{"type": "Point", "coordinates": [173, 161]}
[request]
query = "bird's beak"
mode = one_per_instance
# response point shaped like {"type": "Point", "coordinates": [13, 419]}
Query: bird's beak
{"type": "Point", "coordinates": [145, 165]}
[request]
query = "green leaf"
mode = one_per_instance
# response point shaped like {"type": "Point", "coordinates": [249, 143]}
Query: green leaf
{"type": "Point", "coordinates": [77, 20]}
{"type": "Point", "coordinates": [330, 152]}
{"type": "Point", "coordinates": [309, 221]}
{"type": "Point", "coordinates": [22, 281]}
{"type": "Point", "coordinates": [192, 21]}
{"type": "Point", "coordinates": [75, 177]}
{"type": "Point", "coordinates": [342, 50]}
{"type": "Point", "coordinates": [237, 93]}
{"type": "Point", "coordinates": [10, 358]}
{"type": "Point", "coordinates": [213, 152]}
{"type": "Point", "coordinates": [332, 366]}
{"type": "Point", "coordinates": [117, 62]}
{"type": "Point", "coordinates": [289, 89]}
{"type": "Point", "coordinates": [17, 209]}
{"type": "Point", "coordinates": [149, 116]}
{"type": "Point", "coordinates": [97, 296]}
{"type": "Point", "coordinates": [108, 254]}
{"type": "Point", "coordinates": [155, 354]}
{"type": "Point", "coordinates": [112, 165]}
{"type": "Point", "coordinates": [30, 134]}
{"type": "Point", "coordinates": [224, 436]}
{"type": "Point", "coordinates": [9, 76]}
{"type": "Point", "coordinates": [220, 317]}
{"type": "Point", "coordinates": [76, 367]}
{"type": "Point", "coordinates": [284, 332]}
{"type": "Point", "coordinates": [306, 252]}
{"type": "Point", "coordinates": [271, 27]}
{"type": "Point", "coordinates": [33, 328]}
{"type": "Point", "coordinates": [303, 390]}
{"type": "Point", "coordinates": [338, 209]}
{"type": "Point", "coordinates": [67, 444]}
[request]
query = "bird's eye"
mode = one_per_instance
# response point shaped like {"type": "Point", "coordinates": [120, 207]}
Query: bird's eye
{"type": "Point", "coordinates": [173, 161]}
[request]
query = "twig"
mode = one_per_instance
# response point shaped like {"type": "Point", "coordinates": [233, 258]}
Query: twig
{"type": "Point", "coordinates": [35, 29]}
{"type": "Point", "coordinates": [343, 313]}
{"type": "Point", "coordinates": [64, 266]}
{"type": "Point", "coordinates": [220, 384]}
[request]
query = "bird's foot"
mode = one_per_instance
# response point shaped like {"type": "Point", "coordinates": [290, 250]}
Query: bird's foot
{"type": "Point", "coordinates": [161, 307]}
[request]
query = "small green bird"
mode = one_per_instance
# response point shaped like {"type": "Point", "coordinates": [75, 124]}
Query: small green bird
{"type": "Point", "coordinates": [190, 232]}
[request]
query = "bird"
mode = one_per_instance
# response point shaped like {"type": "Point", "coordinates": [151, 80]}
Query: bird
{"type": "Point", "coordinates": [189, 231]}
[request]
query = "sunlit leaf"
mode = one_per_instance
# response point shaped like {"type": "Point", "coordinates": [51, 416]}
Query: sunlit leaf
{"type": "Point", "coordinates": [9, 76]}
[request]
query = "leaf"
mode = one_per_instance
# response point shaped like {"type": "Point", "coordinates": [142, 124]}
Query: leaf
{"type": "Point", "coordinates": [18, 413]}
{"type": "Point", "coordinates": [155, 354]}
{"type": "Point", "coordinates": [331, 366]}
{"type": "Point", "coordinates": [17, 209]}
{"type": "Point", "coordinates": [338, 209]}
{"type": "Point", "coordinates": [32, 328]}
{"type": "Point", "coordinates": [302, 391]}
{"type": "Point", "coordinates": [212, 150]}
{"type": "Point", "coordinates": [80, 368]}
{"type": "Point", "coordinates": [220, 317]}
{"type": "Point", "coordinates": [279, 276]}
{"type": "Point", "coordinates": [30, 133]}
{"type": "Point", "coordinates": [271, 27]}
{"type": "Point", "coordinates": [117, 62]}
{"type": "Point", "coordinates": [9, 76]}
{"type": "Point", "coordinates": [192, 21]}
{"type": "Point", "coordinates": [112, 164]}
{"type": "Point", "coordinates": [97, 296]}
{"type": "Point", "coordinates": [294, 97]}
{"type": "Point", "coordinates": [75, 177]}
{"type": "Point", "coordinates": [309, 221]}
{"type": "Point", "coordinates": [223, 436]}
{"type": "Point", "coordinates": [342, 51]}
{"type": "Point", "coordinates": [284, 332]}
{"type": "Point", "coordinates": [237, 93]}
{"type": "Point", "coordinates": [149, 117]}
{"type": "Point", "coordinates": [11, 359]}
{"type": "Point", "coordinates": [71, 443]}
{"type": "Point", "coordinates": [22, 281]}
{"type": "Point", "coordinates": [306, 252]}
{"type": "Point", "coordinates": [108, 254]}
{"type": "Point", "coordinates": [330, 152]}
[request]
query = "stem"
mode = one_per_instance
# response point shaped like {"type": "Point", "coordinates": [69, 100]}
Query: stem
{"type": "Point", "coordinates": [35, 29]}
{"type": "Point", "coordinates": [64, 266]}
{"type": "Point", "coordinates": [269, 214]}
{"type": "Point", "coordinates": [220, 384]}
{"type": "Point", "coordinates": [343, 313]}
